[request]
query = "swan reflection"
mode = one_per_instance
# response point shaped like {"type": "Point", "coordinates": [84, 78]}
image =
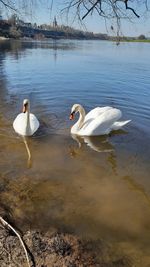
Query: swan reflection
{"type": "Point", "coordinates": [96, 143]}
{"type": "Point", "coordinates": [99, 144]}
{"type": "Point", "coordinates": [29, 161]}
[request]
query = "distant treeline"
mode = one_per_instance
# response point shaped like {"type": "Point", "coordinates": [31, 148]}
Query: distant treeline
{"type": "Point", "coordinates": [20, 29]}
{"type": "Point", "coordinates": [16, 28]}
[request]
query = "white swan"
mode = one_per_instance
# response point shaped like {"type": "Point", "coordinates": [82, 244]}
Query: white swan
{"type": "Point", "coordinates": [98, 121]}
{"type": "Point", "coordinates": [26, 123]}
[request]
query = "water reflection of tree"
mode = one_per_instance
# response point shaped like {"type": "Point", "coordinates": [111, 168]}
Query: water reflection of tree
{"type": "Point", "coordinates": [3, 87]}
{"type": "Point", "coordinates": [16, 47]}
{"type": "Point", "coordinates": [55, 50]}
{"type": "Point", "coordinates": [13, 48]}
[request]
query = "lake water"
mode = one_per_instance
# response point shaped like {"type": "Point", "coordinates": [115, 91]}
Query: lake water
{"type": "Point", "coordinates": [99, 190]}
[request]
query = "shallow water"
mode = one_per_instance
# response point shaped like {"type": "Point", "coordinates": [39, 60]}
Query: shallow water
{"type": "Point", "coordinates": [98, 188]}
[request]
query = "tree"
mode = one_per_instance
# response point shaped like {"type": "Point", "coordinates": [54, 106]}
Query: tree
{"type": "Point", "coordinates": [14, 32]}
{"type": "Point", "coordinates": [142, 37]}
{"type": "Point", "coordinates": [107, 9]}
{"type": "Point", "coordinates": [17, 5]}
{"type": "Point", "coordinates": [112, 11]}
{"type": "Point", "coordinates": [13, 19]}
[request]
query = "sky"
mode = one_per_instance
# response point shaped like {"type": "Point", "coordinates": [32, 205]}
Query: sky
{"type": "Point", "coordinates": [93, 23]}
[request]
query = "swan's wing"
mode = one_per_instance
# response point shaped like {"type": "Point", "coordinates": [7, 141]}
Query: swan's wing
{"type": "Point", "coordinates": [102, 124]}
{"type": "Point", "coordinates": [94, 113]}
{"type": "Point", "coordinates": [34, 123]}
{"type": "Point", "coordinates": [19, 124]}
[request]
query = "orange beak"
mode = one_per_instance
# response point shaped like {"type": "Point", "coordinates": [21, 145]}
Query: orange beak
{"type": "Point", "coordinates": [71, 116]}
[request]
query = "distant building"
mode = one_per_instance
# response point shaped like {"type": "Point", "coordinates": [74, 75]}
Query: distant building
{"type": "Point", "coordinates": [55, 24]}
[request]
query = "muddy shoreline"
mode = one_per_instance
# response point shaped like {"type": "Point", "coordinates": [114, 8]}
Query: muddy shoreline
{"type": "Point", "coordinates": [55, 249]}
{"type": "Point", "coordinates": [44, 249]}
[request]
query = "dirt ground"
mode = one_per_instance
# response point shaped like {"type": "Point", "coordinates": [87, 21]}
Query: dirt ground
{"type": "Point", "coordinates": [53, 250]}
{"type": "Point", "coordinates": [56, 250]}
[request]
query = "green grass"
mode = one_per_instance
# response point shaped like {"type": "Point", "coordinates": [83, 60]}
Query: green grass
{"type": "Point", "coordinates": [138, 40]}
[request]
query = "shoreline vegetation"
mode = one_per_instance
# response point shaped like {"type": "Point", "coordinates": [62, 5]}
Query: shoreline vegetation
{"type": "Point", "coordinates": [14, 28]}
{"type": "Point", "coordinates": [114, 40]}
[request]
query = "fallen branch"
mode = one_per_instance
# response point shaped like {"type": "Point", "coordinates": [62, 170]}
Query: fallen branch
{"type": "Point", "coordinates": [17, 234]}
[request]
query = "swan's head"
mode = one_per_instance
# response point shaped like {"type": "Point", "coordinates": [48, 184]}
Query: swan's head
{"type": "Point", "coordinates": [25, 105]}
{"type": "Point", "coordinates": [75, 108]}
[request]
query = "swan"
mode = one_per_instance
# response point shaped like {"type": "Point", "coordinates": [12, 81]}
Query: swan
{"type": "Point", "coordinates": [99, 121]}
{"type": "Point", "coordinates": [26, 123]}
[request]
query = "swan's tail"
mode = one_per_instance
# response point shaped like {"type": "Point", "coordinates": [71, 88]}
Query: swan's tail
{"type": "Point", "coordinates": [118, 124]}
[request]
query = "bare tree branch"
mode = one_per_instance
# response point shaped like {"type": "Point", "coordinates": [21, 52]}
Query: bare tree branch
{"type": "Point", "coordinates": [90, 9]}
{"type": "Point", "coordinates": [127, 7]}
{"type": "Point", "coordinates": [7, 5]}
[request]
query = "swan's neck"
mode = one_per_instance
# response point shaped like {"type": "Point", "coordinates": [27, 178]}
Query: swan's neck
{"type": "Point", "coordinates": [28, 129]}
{"type": "Point", "coordinates": [78, 125]}
{"type": "Point", "coordinates": [81, 118]}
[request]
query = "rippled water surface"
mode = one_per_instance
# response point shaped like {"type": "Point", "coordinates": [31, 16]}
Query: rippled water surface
{"type": "Point", "coordinates": [98, 188]}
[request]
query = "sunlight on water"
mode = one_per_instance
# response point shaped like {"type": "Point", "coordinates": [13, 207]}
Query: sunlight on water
{"type": "Point", "coordinates": [96, 187]}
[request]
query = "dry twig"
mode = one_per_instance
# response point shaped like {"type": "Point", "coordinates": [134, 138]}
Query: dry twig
{"type": "Point", "coordinates": [5, 223]}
